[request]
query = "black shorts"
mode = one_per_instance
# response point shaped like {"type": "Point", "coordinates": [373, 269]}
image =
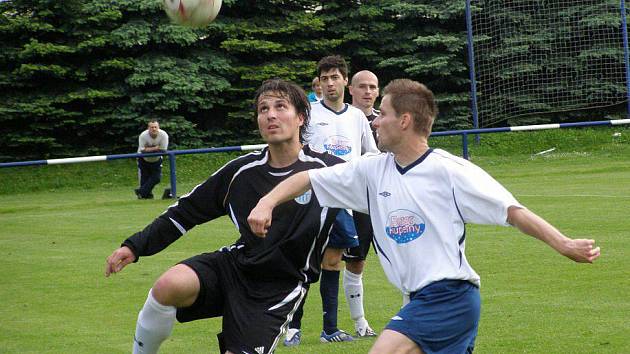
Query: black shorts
{"type": "Point", "coordinates": [255, 312]}
{"type": "Point", "coordinates": [363, 225]}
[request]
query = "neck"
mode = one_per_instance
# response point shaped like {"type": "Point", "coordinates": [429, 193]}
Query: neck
{"type": "Point", "coordinates": [366, 110]}
{"type": "Point", "coordinates": [335, 105]}
{"type": "Point", "coordinates": [406, 154]}
{"type": "Point", "coordinates": [284, 154]}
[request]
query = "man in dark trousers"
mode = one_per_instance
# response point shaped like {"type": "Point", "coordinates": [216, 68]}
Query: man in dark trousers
{"type": "Point", "coordinates": [150, 167]}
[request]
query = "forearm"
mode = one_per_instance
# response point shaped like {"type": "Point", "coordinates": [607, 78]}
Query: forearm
{"type": "Point", "coordinates": [531, 224]}
{"type": "Point", "coordinates": [290, 188]}
{"type": "Point", "coordinates": [153, 238]}
{"type": "Point", "coordinates": [151, 149]}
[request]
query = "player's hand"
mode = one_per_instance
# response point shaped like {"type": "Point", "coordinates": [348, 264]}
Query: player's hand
{"type": "Point", "coordinates": [118, 260]}
{"type": "Point", "coordinates": [581, 250]}
{"type": "Point", "coordinates": [259, 218]}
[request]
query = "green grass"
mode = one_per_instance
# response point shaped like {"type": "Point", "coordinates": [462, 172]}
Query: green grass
{"type": "Point", "coordinates": [59, 223]}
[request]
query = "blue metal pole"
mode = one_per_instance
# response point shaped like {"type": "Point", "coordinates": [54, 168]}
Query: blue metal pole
{"type": "Point", "coordinates": [171, 163]}
{"type": "Point", "coordinates": [471, 71]}
{"type": "Point", "coordinates": [624, 30]}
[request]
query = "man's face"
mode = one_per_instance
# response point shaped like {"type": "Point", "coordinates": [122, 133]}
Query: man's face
{"type": "Point", "coordinates": [153, 128]}
{"type": "Point", "coordinates": [387, 126]}
{"type": "Point", "coordinates": [333, 85]}
{"type": "Point", "coordinates": [278, 120]}
{"type": "Point", "coordinates": [364, 91]}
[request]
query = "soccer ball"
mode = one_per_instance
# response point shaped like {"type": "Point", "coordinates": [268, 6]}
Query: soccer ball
{"type": "Point", "coordinates": [193, 13]}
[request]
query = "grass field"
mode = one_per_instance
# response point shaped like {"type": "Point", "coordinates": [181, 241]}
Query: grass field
{"type": "Point", "coordinates": [59, 223]}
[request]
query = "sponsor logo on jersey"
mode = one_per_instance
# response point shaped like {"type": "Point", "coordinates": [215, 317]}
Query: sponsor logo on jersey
{"type": "Point", "coordinates": [385, 194]}
{"type": "Point", "coordinates": [404, 226]}
{"type": "Point", "coordinates": [304, 198]}
{"type": "Point", "coordinates": [260, 350]}
{"type": "Point", "coordinates": [323, 124]}
{"type": "Point", "coordinates": [338, 145]}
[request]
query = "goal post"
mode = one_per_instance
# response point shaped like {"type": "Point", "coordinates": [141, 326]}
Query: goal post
{"type": "Point", "coordinates": [545, 56]}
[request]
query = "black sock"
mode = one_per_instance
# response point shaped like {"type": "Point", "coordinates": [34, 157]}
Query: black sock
{"type": "Point", "coordinates": [329, 290]}
{"type": "Point", "coordinates": [296, 321]}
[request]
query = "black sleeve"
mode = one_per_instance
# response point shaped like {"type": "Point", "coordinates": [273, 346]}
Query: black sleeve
{"type": "Point", "coordinates": [204, 203]}
{"type": "Point", "coordinates": [326, 157]}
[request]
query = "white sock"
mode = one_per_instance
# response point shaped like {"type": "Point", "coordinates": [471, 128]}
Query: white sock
{"type": "Point", "coordinates": [353, 287]}
{"type": "Point", "coordinates": [155, 323]}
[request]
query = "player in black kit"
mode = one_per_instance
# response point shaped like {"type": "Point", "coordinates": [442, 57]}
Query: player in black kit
{"type": "Point", "coordinates": [255, 284]}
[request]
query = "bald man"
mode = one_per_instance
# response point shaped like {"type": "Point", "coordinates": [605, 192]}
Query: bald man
{"type": "Point", "coordinates": [364, 91]}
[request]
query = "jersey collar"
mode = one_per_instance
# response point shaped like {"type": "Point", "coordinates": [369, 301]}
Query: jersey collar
{"type": "Point", "coordinates": [404, 170]}
{"type": "Point", "coordinates": [345, 108]}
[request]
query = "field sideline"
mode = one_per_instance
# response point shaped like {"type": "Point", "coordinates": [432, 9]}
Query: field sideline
{"type": "Point", "coordinates": [54, 242]}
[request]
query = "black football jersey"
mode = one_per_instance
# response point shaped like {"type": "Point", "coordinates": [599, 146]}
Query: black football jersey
{"type": "Point", "coordinates": [295, 241]}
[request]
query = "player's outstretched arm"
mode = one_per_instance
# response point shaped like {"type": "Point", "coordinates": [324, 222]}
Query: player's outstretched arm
{"type": "Point", "coordinates": [579, 250]}
{"type": "Point", "coordinates": [259, 218]}
{"type": "Point", "coordinates": [118, 260]}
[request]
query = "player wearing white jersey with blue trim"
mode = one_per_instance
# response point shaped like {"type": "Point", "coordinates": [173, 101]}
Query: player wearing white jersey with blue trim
{"type": "Point", "coordinates": [343, 131]}
{"type": "Point", "coordinates": [419, 200]}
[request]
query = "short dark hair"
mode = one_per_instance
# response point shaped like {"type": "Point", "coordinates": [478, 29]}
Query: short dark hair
{"type": "Point", "coordinates": [332, 62]}
{"type": "Point", "coordinates": [408, 96]}
{"type": "Point", "coordinates": [294, 93]}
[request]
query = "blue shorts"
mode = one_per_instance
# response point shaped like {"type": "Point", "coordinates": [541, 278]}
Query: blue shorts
{"type": "Point", "coordinates": [442, 317]}
{"type": "Point", "coordinates": [343, 234]}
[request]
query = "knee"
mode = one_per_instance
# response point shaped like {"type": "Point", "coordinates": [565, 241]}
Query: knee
{"type": "Point", "coordinates": [164, 290]}
{"type": "Point", "coordinates": [331, 265]}
{"type": "Point", "coordinates": [179, 287]}
{"type": "Point", "coordinates": [355, 267]}
{"type": "Point", "coordinates": [332, 259]}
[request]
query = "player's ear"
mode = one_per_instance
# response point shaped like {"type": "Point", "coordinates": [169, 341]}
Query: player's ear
{"type": "Point", "coordinates": [406, 120]}
{"type": "Point", "coordinates": [300, 117]}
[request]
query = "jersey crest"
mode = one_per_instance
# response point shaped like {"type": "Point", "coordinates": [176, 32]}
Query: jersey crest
{"type": "Point", "coordinates": [338, 145]}
{"type": "Point", "coordinates": [304, 198]}
{"type": "Point", "coordinates": [404, 226]}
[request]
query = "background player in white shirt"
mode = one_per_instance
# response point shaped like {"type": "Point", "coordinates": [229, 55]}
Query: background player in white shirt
{"type": "Point", "coordinates": [341, 130]}
{"type": "Point", "coordinates": [419, 200]}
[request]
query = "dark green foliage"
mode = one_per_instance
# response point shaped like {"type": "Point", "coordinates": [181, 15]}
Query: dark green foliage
{"type": "Point", "coordinates": [82, 77]}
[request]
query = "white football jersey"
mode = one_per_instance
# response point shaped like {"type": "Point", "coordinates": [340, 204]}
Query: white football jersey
{"type": "Point", "coordinates": [418, 212]}
{"type": "Point", "coordinates": [345, 134]}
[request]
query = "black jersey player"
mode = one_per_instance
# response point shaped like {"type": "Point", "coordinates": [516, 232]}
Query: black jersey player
{"type": "Point", "coordinates": [255, 284]}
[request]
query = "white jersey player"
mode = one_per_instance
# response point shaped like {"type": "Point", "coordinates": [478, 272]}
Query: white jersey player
{"type": "Point", "coordinates": [345, 134]}
{"type": "Point", "coordinates": [343, 131]}
{"type": "Point", "coordinates": [419, 201]}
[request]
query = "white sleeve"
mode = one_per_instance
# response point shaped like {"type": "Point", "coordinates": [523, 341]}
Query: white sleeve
{"type": "Point", "coordinates": [141, 142]}
{"type": "Point", "coordinates": [367, 139]}
{"type": "Point", "coordinates": [480, 198]}
{"type": "Point", "coordinates": [341, 186]}
{"type": "Point", "coordinates": [164, 142]}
